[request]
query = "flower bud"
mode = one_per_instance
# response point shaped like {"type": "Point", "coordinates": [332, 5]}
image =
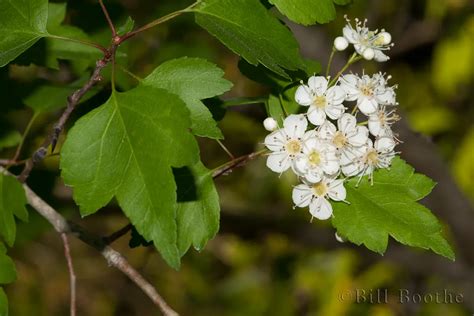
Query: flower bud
{"type": "Point", "coordinates": [270, 124]}
{"type": "Point", "coordinates": [368, 53]}
{"type": "Point", "coordinates": [386, 38]}
{"type": "Point", "coordinates": [340, 43]}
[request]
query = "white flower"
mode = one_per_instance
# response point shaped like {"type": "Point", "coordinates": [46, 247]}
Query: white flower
{"type": "Point", "coordinates": [340, 43]}
{"type": "Point", "coordinates": [321, 100]}
{"type": "Point", "coordinates": [317, 159]}
{"type": "Point", "coordinates": [381, 121]}
{"type": "Point", "coordinates": [286, 143]}
{"type": "Point", "coordinates": [366, 159]}
{"type": "Point", "coordinates": [369, 44]}
{"type": "Point", "coordinates": [315, 196]}
{"type": "Point", "coordinates": [370, 92]}
{"type": "Point", "coordinates": [270, 124]}
{"type": "Point", "coordinates": [347, 136]}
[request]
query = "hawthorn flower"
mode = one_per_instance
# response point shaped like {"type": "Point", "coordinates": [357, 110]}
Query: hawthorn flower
{"type": "Point", "coordinates": [381, 121]}
{"type": "Point", "coordinates": [369, 44]}
{"type": "Point", "coordinates": [321, 100]}
{"type": "Point", "coordinates": [316, 196]}
{"type": "Point", "coordinates": [369, 92]}
{"type": "Point", "coordinates": [347, 136]}
{"type": "Point", "coordinates": [286, 143]}
{"type": "Point", "coordinates": [318, 158]}
{"type": "Point", "coordinates": [366, 159]}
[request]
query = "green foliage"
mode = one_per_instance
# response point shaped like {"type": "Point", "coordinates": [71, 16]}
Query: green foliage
{"type": "Point", "coordinates": [388, 207]}
{"type": "Point", "coordinates": [125, 149]}
{"type": "Point", "coordinates": [198, 207]}
{"type": "Point", "coordinates": [22, 23]}
{"type": "Point", "coordinates": [3, 303]}
{"type": "Point", "coordinates": [12, 203]}
{"type": "Point", "coordinates": [7, 267]}
{"type": "Point", "coordinates": [307, 12]}
{"type": "Point", "coordinates": [192, 79]}
{"type": "Point", "coordinates": [10, 139]}
{"type": "Point", "coordinates": [249, 30]}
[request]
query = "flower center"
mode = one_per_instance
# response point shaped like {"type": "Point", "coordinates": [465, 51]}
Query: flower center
{"type": "Point", "coordinates": [372, 157]}
{"type": "Point", "coordinates": [367, 90]}
{"type": "Point", "coordinates": [314, 158]}
{"type": "Point", "coordinates": [293, 147]}
{"type": "Point", "coordinates": [320, 189]}
{"type": "Point", "coordinates": [379, 41]}
{"type": "Point", "coordinates": [339, 139]}
{"type": "Point", "coordinates": [320, 101]}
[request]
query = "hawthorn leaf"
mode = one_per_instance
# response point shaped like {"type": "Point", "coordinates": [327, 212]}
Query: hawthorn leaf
{"type": "Point", "coordinates": [7, 267]}
{"type": "Point", "coordinates": [193, 79]}
{"type": "Point", "coordinates": [126, 27]}
{"type": "Point", "coordinates": [12, 203]}
{"type": "Point", "coordinates": [307, 12]}
{"type": "Point", "coordinates": [10, 139]}
{"type": "Point", "coordinates": [126, 149]}
{"type": "Point", "coordinates": [65, 49]}
{"type": "Point", "coordinates": [198, 207]}
{"type": "Point", "coordinates": [3, 303]}
{"type": "Point", "coordinates": [249, 30]}
{"type": "Point", "coordinates": [389, 208]}
{"type": "Point", "coordinates": [22, 23]}
{"type": "Point", "coordinates": [50, 98]}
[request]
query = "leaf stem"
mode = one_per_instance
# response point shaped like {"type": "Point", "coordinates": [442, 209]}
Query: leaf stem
{"type": "Point", "coordinates": [84, 42]}
{"type": "Point", "coordinates": [72, 275]}
{"type": "Point", "coordinates": [225, 149]}
{"type": "Point", "coordinates": [237, 162]}
{"type": "Point", "coordinates": [23, 137]}
{"type": "Point", "coordinates": [107, 17]}
{"type": "Point", "coordinates": [243, 101]}
{"type": "Point", "coordinates": [330, 60]}
{"type": "Point", "coordinates": [128, 72]}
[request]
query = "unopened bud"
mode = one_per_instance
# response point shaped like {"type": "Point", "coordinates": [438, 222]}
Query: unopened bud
{"type": "Point", "coordinates": [340, 43]}
{"type": "Point", "coordinates": [368, 53]}
{"type": "Point", "coordinates": [270, 124]}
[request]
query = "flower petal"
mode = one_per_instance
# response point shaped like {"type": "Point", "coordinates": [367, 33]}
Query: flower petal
{"type": "Point", "coordinates": [384, 144]}
{"type": "Point", "coordinates": [320, 208]}
{"type": "Point", "coordinates": [335, 111]}
{"type": "Point", "coordinates": [347, 123]}
{"type": "Point", "coordinates": [276, 141]}
{"type": "Point", "coordinates": [302, 195]}
{"type": "Point", "coordinates": [303, 95]}
{"type": "Point", "coordinates": [387, 97]}
{"type": "Point", "coordinates": [360, 137]}
{"type": "Point", "coordinates": [295, 125]}
{"type": "Point", "coordinates": [335, 95]}
{"type": "Point", "coordinates": [375, 126]}
{"type": "Point", "coordinates": [327, 130]}
{"type": "Point", "coordinates": [350, 34]}
{"type": "Point", "coordinates": [316, 115]}
{"type": "Point", "coordinates": [337, 191]}
{"type": "Point", "coordinates": [367, 105]}
{"type": "Point", "coordinates": [380, 56]}
{"type": "Point", "coordinates": [278, 162]}
{"type": "Point", "coordinates": [349, 84]}
{"type": "Point", "coordinates": [318, 84]}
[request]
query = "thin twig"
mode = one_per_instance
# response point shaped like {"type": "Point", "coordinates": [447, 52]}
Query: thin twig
{"type": "Point", "coordinates": [235, 163]}
{"type": "Point", "coordinates": [107, 17]}
{"type": "Point", "coordinates": [72, 275]}
{"type": "Point", "coordinates": [116, 235]}
{"type": "Point", "coordinates": [114, 258]}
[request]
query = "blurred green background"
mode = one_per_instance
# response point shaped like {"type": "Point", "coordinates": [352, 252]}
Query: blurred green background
{"type": "Point", "coordinates": [268, 259]}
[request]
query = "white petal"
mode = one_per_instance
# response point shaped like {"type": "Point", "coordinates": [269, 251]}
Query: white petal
{"type": "Point", "coordinates": [318, 84]}
{"type": "Point", "coordinates": [360, 137]}
{"type": "Point", "coordinates": [278, 162]}
{"type": "Point", "coordinates": [367, 105]}
{"type": "Point", "coordinates": [335, 95]}
{"type": "Point", "coordinates": [375, 125]}
{"type": "Point", "coordinates": [320, 208]}
{"type": "Point", "coordinates": [302, 195]}
{"type": "Point", "coordinates": [384, 144]}
{"type": "Point", "coordinates": [295, 125]}
{"type": "Point", "coordinates": [387, 97]}
{"type": "Point", "coordinates": [331, 166]}
{"type": "Point", "coordinates": [379, 56]}
{"type": "Point", "coordinates": [346, 123]}
{"type": "Point", "coordinates": [316, 115]}
{"type": "Point", "coordinates": [303, 95]}
{"type": "Point", "coordinates": [327, 130]}
{"type": "Point", "coordinates": [276, 141]}
{"type": "Point", "coordinates": [349, 84]}
{"type": "Point", "coordinates": [335, 111]}
{"type": "Point", "coordinates": [313, 176]}
{"type": "Point", "coordinates": [350, 34]}
{"type": "Point", "coordinates": [301, 165]}
{"type": "Point", "coordinates": [337, 192]}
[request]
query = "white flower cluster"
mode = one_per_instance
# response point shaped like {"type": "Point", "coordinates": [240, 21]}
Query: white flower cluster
{"type": "Point", "coordinates": [326, 145]}
{"type": "Point", "coordinates": [369, 44]}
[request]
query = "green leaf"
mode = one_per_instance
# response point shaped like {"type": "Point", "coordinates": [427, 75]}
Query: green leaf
{"type": "Point", "coordinates": [249, 30]}
{"type": "Point", "coordinates": [7, 267]}
{"type": "Point", "coordinates": [3, 303]}
{"type": "Point", "coordinates": [51, 98]}
{"type": "Point", "coordinates": [10, 139]}
{"type": "Point", "coordinates": [192, 79]}
{"type": "Point", "coordinates": [389, 207]}
{"type": "Point", "coordinates": [12, 202]}
{"type": "Point", "coordinates": [22, 23]}
{"type": "Point", "coordinates": [126, 27]}
{"type": "Point", "coordinates": [126, 149]}
{"type": "Point", "coordinates": [64, 49]}
{"type": "Point", "coordinates": [198, 207]}
{"type": "Point", "coordinates": [307, 12]}
{"type": "Point", "coordinates": [342, 2]}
